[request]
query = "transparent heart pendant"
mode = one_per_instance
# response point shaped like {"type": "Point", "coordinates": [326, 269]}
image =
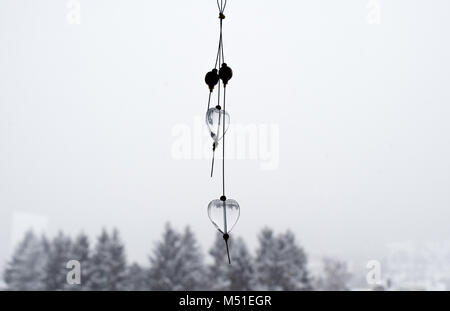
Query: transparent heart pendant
{"type": "Point", "coordinates": [224, 214]}
{"type": "Point", "coordinates": [214, 120]}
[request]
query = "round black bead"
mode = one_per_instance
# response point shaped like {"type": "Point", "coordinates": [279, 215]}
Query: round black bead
{"type": "Point", "coordinates": [226, 236]}
{"type": "Point", "coordinates": [211, 79]}
{"type": "Point", "coordinates": [225, 73]}
{"type": "Point", "coordinates": [223, 198]}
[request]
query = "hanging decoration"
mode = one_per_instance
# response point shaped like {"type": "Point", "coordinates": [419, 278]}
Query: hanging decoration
{"type": "Point", "coordinates": [223, 212]}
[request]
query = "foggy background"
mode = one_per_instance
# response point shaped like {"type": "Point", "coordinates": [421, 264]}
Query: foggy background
{"type": "Point", "coordinates": [88, 112]}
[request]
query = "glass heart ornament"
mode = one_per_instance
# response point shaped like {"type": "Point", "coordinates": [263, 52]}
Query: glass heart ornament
{"type": "Point", "coordinates": [214, 120]}
{"type": "Point", "coordinates": [224, 214]}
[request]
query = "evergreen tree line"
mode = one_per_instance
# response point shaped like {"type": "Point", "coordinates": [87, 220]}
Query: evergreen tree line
{"type": "Point", "coordinates": [176, 263]}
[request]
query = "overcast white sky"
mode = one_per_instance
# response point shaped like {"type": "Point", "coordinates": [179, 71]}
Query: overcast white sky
{"type": "Point", "coordinates": [88, 114]}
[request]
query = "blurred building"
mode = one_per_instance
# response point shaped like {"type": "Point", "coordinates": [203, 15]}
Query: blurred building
{"type": "Point", "coordinates": [417, 266]}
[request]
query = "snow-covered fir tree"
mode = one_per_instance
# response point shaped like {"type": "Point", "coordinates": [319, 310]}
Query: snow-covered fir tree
{"type": "Point", "coordinates": [218, 271]}
{"type": "Point", "coordinates": [118, 263]}
{"type": "Point", "coordinates": [59, 251]}
{"type": "Point", "coordinates": [195, 279]}
{"type": "Point", "coordinates": [137, 278]}
{"type": "Point", "coordinates": [107, 268]}
{"type": "Point", "coordinates": [280, 263]}
{"type": "Point", "coordinates": [26, 270]}
{"type": "Point", "coordinates": [237, 276]}
{"type": "Point", "coordinates": [176, 263]}
{"type": "Point", "coordinates": [166, 258]}
{"type": "Point", "coordinates": [335, 276]}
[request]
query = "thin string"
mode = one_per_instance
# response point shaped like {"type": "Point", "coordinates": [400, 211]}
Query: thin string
{"type": "Point", "coordinates": [212, 162]}
{"type": "Point", "coordinates": [221, 7]}
{"type": "Point", "coordinates": [224, 96]}
{"type": "Point", "coordinates": [221, 21]}
{"type": "Point", "coordinates": [224, 6]}
{"type": "Point", "coordinates": [218, 61]}
{"type": "Point", "coordinates": [221, 42]}
{"type": "Point", "coordinates": [223, 141]}
{"type": "Point", "coordinates": [215, 144]}
{"type": "Point", "coordinates": [209, 101]}
{"type": "Point", "coordinates": [228, 251]}
{"type": "Point", "coordinates": [220, 48]}
{"type": "Point", "coordinates": [218, 87]}
{"type": "Point", "coordinates": [218, 5]}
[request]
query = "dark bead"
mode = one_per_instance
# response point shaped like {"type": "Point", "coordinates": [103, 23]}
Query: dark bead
{"type": "Point", "coordinates": [211, 79]}
{"type": "Point", "coordinates": [223, 198]}
{"type": "Point", "coordinates": [226, 236]}
{"type": "Point", "coordinates": [225, 73]}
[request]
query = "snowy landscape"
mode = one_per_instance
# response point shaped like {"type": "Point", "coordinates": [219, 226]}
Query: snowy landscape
{"type": "Point", "coordinates": [177, 263]}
